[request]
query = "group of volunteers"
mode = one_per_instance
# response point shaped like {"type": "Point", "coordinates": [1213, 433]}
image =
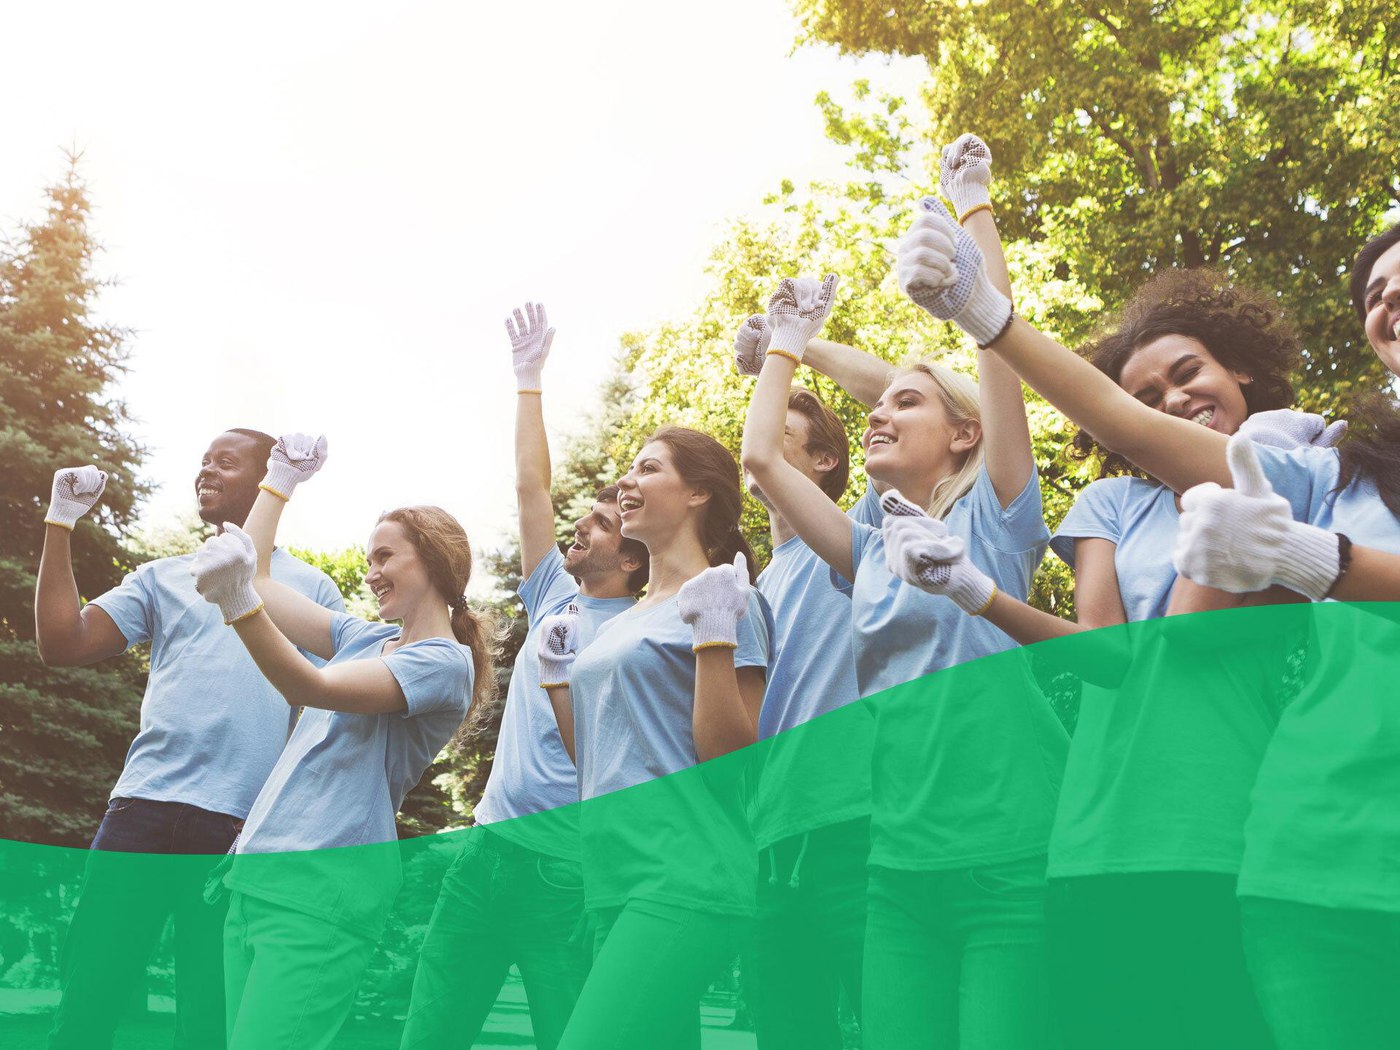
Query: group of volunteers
{"type": "Point", "coordinates": [1212, 859]}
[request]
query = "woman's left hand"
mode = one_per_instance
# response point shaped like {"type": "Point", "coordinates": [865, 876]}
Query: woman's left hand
{"type": "Point", "coordinates": [714, 602]}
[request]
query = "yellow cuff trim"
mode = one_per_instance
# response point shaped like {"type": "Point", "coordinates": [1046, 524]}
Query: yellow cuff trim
{"type": "Point", "coordinates": [268, 488]}
{"type": "Point", "coordinates": [529, 391]}
{"type": "Point", "coordinates": [554, 685]}
{"type": "Point", "coordinates": [973, 211]}
{"type": "Point", "coordinates": [61, 524]}
{"type": "Point", "coordinates": [988, 604]}
{"type": "Point", "coordinates": [784, 353]}
{"type": "Point", "coordinates": [714, 645]}
{"type": "Point", "coordinates": [248, 614]}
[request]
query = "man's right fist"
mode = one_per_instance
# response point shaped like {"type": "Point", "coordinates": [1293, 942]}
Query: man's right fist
{"type": "Point", "coordinates": [75, 490]}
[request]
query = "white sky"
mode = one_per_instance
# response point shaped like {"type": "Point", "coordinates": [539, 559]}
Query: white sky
{"type": "Point", "coordinates": [321, 215]}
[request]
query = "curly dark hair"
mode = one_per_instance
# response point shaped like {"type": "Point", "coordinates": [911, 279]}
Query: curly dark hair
{"type": "Point", "coordinates": [1242, 329]}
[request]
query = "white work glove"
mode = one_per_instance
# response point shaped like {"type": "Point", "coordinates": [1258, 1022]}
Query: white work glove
{"type": "Point", "coordinates": [1288, 428]}
{"type": "Point", "coordinates": [714, 602]}
{"type": "Point", "coordinates": [75, 490]}
{"type": "Point", "coordinates": [1245, 539]}
{"type": "Point", "coordinates": [558, 646]}
{"type": "Point", "coordinates": [965, 175]}
{"type": "Point", "coordinates": [294, 458]}
{"type": "Point", "coordinates": [751, 345]}
{"type": "Point", "coordinates": [796, 313]}
{"type": "Point", "coordinates": [223, 571]}
{"type": "Point", "coordinates": [921, 551]}
{"type": "Point", "coordinates": [940, 267]}
{"type": "Point", "coordinates": [530, 339]}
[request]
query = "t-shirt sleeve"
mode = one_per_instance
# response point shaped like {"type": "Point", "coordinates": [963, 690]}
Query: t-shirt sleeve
{"type": "Point", "coordinates": [328, 595]}
{"type": "Point", "coordinates": [1304, 476]}
{"type": "Point", "coordinates": [435, 675]}
{"type": "Point", "coordinates": [548, 587]}
{"type": "Point", "coordinates": [1094, 515]}
{"type": "Point", "coordinates": [867, 509]}
{"type": "Point", "coordinates": [754, 635]}
{"type": "Point", "coordinates": [1017, 527]}
{"type": "Point", "coordinates": [131, 605]}
{"type": "Point", "coordinates": [862, 537]}
{"type": "Point", "coordinates": [348, 630]}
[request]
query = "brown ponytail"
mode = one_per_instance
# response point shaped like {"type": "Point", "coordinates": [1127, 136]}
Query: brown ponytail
{"type": "Point", "coordinates": [443, 546]}
{"type": "Point", "coordinates": [705, 463]}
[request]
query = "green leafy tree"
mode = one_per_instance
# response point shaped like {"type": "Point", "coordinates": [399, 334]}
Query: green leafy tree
{"type": "Point", "coordinates": [1131, 136]}
{"type": "Point", "coordinates": [63, 731]}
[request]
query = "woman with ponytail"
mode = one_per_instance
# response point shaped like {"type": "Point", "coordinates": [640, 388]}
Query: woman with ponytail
{"type": "Point", "coordinates": [678, 679]}
{"type": "Point", "coordinates": [302, 926]}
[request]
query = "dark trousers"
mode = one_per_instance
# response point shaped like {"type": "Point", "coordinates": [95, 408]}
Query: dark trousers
{"type": "Point", "coordinates": [126, 898]}
{"type": "Point", "coordinates": [500, 903]}
{"type": "Point", "coordinates": [809, 937]}
{"type": "Point", "coordinates": [1152, 960]}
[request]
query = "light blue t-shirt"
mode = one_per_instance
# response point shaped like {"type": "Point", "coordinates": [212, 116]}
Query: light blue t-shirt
{"type": "Point", "coordinates": [681, 840]}
{"type": "Point", "coordinates": [211, 725]}
{"type": "Point", "coordinates": [1140, 516]}
{"type": "Point", "coordinates": [1324, 824]}
{"type": "Point", "coordinates": [819, 775]}
{"type": "Point", "coordinates": [532, 771]}
{"type": "Point", "coordinates": [343, 776]}
{"type": "Point", "coordinates": [903, 633]}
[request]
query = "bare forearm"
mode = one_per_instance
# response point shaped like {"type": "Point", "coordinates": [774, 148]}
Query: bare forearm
{"type": "Point", "coordinates": [1025, 623]}
{"type": "Point", "coordinates": [862, 375]}
{"type": "Point", "coordinates": [1374, 576]}
{"type": "Point", "coordinates": [532, 481]}
{"type": "Point", "coordinates": [289, 672]}
{"type": "Point", "coordinates": [562, 700]}
{"type": "Point", "coordinates": [721, 722]}
{"type": "Point", "coordinates": [58, 621]}
{"type": "Point", "coordinates": [261, 526]}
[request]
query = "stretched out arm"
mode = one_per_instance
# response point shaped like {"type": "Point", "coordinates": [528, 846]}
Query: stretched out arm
{"type": "Point", "coordinates": [306, 622]}
{"type": "Point", "coordinates": [530, 340]}
{"type": "Point", "coordinates": [861, 374]}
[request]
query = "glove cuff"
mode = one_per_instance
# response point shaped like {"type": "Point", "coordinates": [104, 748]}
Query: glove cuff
{"type": "Point", "coordinates": [554, 670]}
{"type": "Point", "coordinates": [986, 314]}
{"type": "Point", "coordinates": [790, 340]}
{"type": "Point", "coordinates": [65, 514]}
{"type": "Point", "coordinates": [967, 197]}
{"type": "Point", "coordinates": [529, 378]}
{"type": "Point", "coordinates": [1309, 562]}
{"type": "Point", "coordinates": [241, 604]}
{"type": "Point", "coordinates": [281, 479]}
{"type": "Point", "coordinates": [715, 628]}
{"type": "Point", "coordinates": [975, 593]}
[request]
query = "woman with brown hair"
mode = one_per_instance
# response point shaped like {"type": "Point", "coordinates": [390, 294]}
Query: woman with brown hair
{"type": "Point", "coordinates": [678, 679]}
{"type": "Point", "coordinates": [301, 928]}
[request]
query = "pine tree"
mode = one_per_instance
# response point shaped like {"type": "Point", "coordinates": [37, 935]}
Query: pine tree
{"type": "Point", "coordinates": [63, 731]}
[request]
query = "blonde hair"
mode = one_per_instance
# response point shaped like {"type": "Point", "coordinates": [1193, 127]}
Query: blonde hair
{"type": "Point", "coordinates": [961, 402]}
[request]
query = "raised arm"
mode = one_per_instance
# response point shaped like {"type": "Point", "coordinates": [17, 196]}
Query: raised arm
{"type": "Point", "coordinates": [862, 375]}
{"type": "Point", "coordinates": [67, 633]}
{"type": "Point", "coordinates": [223, 570]}
{"type": "Point", "coordinates": [307, 623]}
{"type": "Point", "coordinates": [1177, 452]}
{"type": "Point", "coordinates": [530, 340]}
{"type": "Point", "coordinates": [727, 699]}
{"type": "Point", "coordinates": [965, 175]}
{"type": "Point", "coordinates": [795, 314]}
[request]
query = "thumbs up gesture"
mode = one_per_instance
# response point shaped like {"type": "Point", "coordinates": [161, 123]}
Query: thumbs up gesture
{"type": "Point", "coordinates": [1245, 539]}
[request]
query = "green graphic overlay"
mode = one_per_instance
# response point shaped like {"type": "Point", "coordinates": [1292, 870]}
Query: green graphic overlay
{"type": "Point", "coordinates": [1258, 747]}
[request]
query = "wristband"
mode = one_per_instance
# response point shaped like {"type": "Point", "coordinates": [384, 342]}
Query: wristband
{"type": "Point", "coordinates": [984, 206]}
{"type": "Point", "coordinates": [1343, 559]}
{"type": "Point", "coordinates": [1001, 332]}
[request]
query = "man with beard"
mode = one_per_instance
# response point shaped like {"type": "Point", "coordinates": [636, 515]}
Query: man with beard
{"type": "Point", "coordinates": [515, 893]}
{"type": "Point", "coordinates": [211, 730]}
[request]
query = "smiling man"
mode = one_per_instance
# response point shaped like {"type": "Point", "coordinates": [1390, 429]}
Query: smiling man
{"type": "Point", "coordinates": [211, 730]}
{"type": "Point", "coordinates": [515, 893]}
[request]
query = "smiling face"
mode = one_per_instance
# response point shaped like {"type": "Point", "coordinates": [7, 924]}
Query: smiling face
{"type": "Point", "coordinates": [1381, 302]}
{"type": "Point", "coordinates": [597, 542]}
{"type": "Point", "coordinates": [397, 575]}
{"type": "Point", "coordinates": [654, 500]}
{"type": "Point", "coordinates": [1177, 375]}
{"type": "Point", "coordinates": [227, 482]}
{"type": "Point", "coordinates": [910, 442]}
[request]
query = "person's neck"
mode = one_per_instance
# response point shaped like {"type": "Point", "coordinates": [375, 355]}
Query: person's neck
{"type": "Point", "coordinates": [673, 562]}
{"type": "Point", "coordinates": [604, 585]}
{"type": "Point", "coordinates": [423, 623]}
{"type": "Point", "coordinates": [778, 529]}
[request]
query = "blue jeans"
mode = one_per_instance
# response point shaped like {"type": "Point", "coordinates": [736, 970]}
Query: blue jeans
{"type": "Point", "coordinates": [123, 907]}
{"type": "Point", "coordinates": [500, 903]}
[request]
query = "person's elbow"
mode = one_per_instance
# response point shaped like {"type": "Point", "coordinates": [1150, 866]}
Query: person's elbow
{"type": "Point", "coordinates": [56, 653]}
{"type": "Point", "coordinates": [759, 461]}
